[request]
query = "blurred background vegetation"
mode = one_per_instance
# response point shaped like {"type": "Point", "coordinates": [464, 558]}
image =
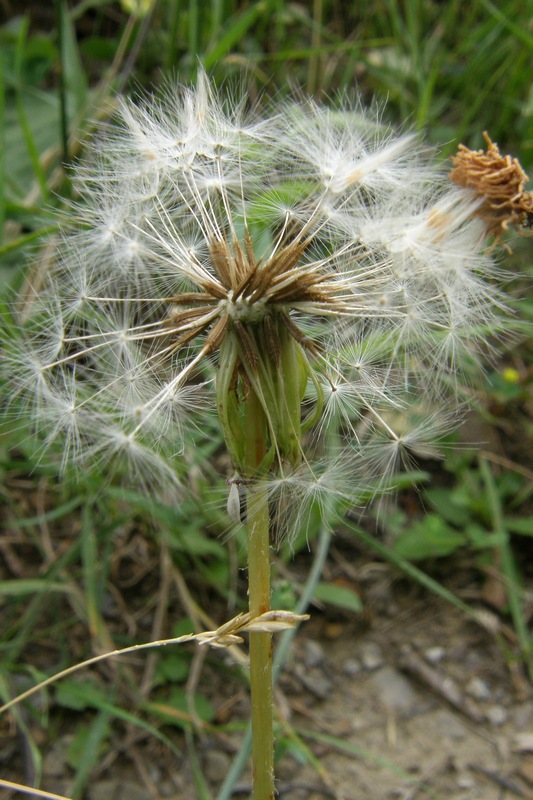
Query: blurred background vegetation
{"type": "Point", "coordinates": [87, 567]}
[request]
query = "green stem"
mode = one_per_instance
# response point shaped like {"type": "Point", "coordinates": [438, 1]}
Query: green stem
{"type": "Point", "coordinates": [258, 523]}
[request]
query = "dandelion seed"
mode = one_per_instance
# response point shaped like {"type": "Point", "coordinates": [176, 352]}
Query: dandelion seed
{"type": "Point", "coordinates": [310, 257]}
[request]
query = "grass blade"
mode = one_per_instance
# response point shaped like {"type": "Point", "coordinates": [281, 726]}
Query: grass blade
{"type": "Point", "coordinates": [92, 746]}
{"type": "Point", "coordinates": [409, 569]}
{"type": "Point", "coordinates": [23, 586]}
{"type": "Point", "coordinates": [240, 25]}
{"type": "Point", "coordinates": [48, 516]}
{"type": "Point", "coordinates": [2, 150]}
{"type": "Point", "coordinates": [31, 147]}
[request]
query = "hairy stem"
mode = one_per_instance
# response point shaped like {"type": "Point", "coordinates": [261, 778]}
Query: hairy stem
{"type": "Point", "coordinates": [258, 524]}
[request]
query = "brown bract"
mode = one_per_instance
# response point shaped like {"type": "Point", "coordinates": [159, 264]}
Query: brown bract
{"type": "Point", "coordinates": [243, 294]}
{"type": "Point", "coordinates": [500, 180]}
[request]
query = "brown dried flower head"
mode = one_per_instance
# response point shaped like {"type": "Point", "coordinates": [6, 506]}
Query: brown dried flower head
{"type": "Point", "coordinates": [500, 180]}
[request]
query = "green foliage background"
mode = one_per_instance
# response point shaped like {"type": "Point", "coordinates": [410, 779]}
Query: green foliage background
{"type": "Point", "coordinates": [90, 567]}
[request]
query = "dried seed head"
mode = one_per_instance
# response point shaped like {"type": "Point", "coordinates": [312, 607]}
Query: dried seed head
{"type": "Point", "coordinates": [306, 258]}
{"type": "Point", "coordinates": [500, 181]}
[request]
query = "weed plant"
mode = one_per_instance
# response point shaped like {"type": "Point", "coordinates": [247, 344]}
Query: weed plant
{"type": "Point", "coordinates": [85, 559]}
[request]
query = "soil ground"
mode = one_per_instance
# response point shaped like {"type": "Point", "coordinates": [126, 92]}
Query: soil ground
{"type": "Point", "coordinates": [411, 699]}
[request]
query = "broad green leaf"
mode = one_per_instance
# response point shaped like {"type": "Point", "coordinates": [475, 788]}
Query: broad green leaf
{"type": "Point", "coordinates": [442, 501]}
{"type": "Point", "coordinates": [195, 542]}
{"type": "Point", "coordinates": [340, 596]}
{"type": "Point", "coordinates": [481, 538]}
{"type": "Point", "coordinates": [87, 745]}
{"type": "Point", "coordinates": [522, 525]}
{"type": "Point", "coordinates": [79, 695]}
{"type": "Point", "coordinates": [174, 668]}
{"type": "Point", "coordinates": [430, 538]}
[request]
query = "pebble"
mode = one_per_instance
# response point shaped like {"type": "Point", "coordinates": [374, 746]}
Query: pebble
{"type": "Point", "coordinates": [523, 742]}
{"type": "Point", "coordinates": [523, 716]}
{"type": "Point", "coordinates": [394, 690]}
{"type": "Point", "coordinates": [449, 726]}
{"type": "Point", "coordinates": [465, 781]}
{"type": "Point", "coordinates": [497, 715]}
{"type": "Point", "coordinates": [319, 685]}
{"type": "Point", "coordinates": [351, 667]}
{"type": "Point", "coordinates": [314, 654]}
{"type": "Point", "coordinates": [434, 654]}
{"type": "Point", "coordinates": [216, 765]}
{"type": "Point", "coordinates": [478, 689]}
{"type": "Point", "coordinates": [314, 680]}
{"type": "Point", "coordinates": [371, 656]}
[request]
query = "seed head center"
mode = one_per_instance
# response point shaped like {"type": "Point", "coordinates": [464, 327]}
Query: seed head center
{"type": "Point", "coordinates": [244, 309]}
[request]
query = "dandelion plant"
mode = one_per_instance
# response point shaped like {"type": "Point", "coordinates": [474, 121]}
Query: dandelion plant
{"type": "Point", "coordinates": [306, 277]}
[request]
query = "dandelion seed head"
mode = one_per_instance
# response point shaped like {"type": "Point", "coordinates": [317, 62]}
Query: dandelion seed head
{"type": "Point", "coordinates": [309, 256]}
